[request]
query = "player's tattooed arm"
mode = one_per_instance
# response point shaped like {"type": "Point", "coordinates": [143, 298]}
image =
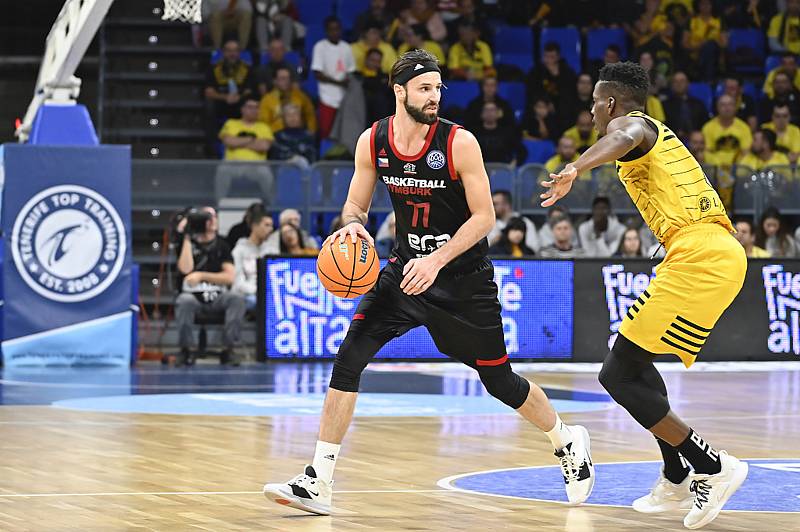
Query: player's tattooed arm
{"type": "Point", "coordinates": [359, 197]}
{"type": "Point", "coordinates": [623, 134]}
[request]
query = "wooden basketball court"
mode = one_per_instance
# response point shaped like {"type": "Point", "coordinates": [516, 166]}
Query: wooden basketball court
{"type": "Point", "coordinates": [67, 469]}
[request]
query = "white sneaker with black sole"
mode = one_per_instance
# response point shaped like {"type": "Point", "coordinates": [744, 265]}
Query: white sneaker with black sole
{"type": "Point", "coordinates": [711, 492]}
{"type": "Point", "coordinates": [665, 496]}
{"type": "Point", "coordinates": [305, 492]}
{"type": "Point", "coordinates": [576, 465]}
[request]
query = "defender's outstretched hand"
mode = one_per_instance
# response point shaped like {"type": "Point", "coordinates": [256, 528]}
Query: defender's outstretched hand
{"type": "Point", "coordinates": [559, 185]}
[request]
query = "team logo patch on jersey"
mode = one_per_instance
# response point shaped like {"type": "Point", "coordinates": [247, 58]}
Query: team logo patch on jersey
{"type": "Point", "coordinates": [705, 204]}
{"type": "Point", "coordinates": [410, 168]}
{"type": "Point", "coordinates": [435, 160]}
{"type": "Point", "coordinates": [68, 243]}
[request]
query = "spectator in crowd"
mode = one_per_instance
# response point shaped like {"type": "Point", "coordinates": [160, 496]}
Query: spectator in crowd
{"type": "Point", "coordinates": [470, 58]}
{"type": "Point", "coordinates": [552, 78]}
{"type": "Point", "coordinates": [762, 152]}
{"type": "Point", "coordinates": [378, 96]}
{"type": "Point", "coordinates": [228, 15]}
{"type": "Point", "coordinates": [276, 19]}
{"type": "Point", "coordinates": [684, 113]}
{"type": "Point", "coordinates": [488, 94]}
{"type": "Point", "coordinates": [788, 135]}
{"type": "Point", "coordinates": [789, 67]}
{"type": "Point", "coordinates": [503, 213]}
{"type": "Point", "coordinates": [468, 13]}
{"type": "Point", "coordinates": [245, 140]}
{"type": "Point", "coordinates": [658, 81]}
{"type": "Point", "coordinates": [582, 98]}
{"type": "Point", "coordinates": [650, 21]}
{"type": "Point", "coordinates": [583, 132]}
{"type": "Point", "coordinates": [373, 38]}
{"type": "Point", "coordinates": [566, 152]}
{"type": "Point", "coordinates": [630, 246]}
{"type": "Point", "coordinates": [697, 147]}
{"type": "Point", "coordinates": [539, 120]}
{"type": "Point", "coordinates": [563, 246]}
{"type": "Point", "coordinates": [332, 63]}
{"type": "Point", "coordinates": [512, 240]}
{"type": "Point", "coordinates": [773, 235]}
{"type": "Point", "coordinates": [727, 136]}
{"type": "Point", "coordinates": [294, 142]}
{"type": "Point", "coordinates": [600, 235]}
{"type": "Point", "coordinates": [750, 14]}
{"type": "Point", "coordinates": [285, 92]}
{"type": "Point", "coordinates": [227, 82]}
{"type": "Point", "coordinates": [745, 106]}
{"type": "Point", "coordinates": [242, 229]}
{"type": "Point", "coordinates": [293, 243]}
{"type": "Point", "coordinates": [414, 37]}
{"type": "Point", "coordinates": [703, 41]}
{"type": "Point", "coordinates": [499, 143]}
{"type": "Point", "coordinates": [421, 12]}
{"type": "Point", "coordinates": [784, 29]}
{"type": "Point", "coordinates": [385, 239]}
{"type": "Point", "coordinates": [613, 54]}
{"type": "Point", "coordinates": [292, 217]}
{"type": "Point", "coordinates": [784, 93]}
{"type": "Point", "coordinates": [546, 237]}
{"type": "Point", "coordinates": [246, 254]}
{"type": "Point", "coordinates": [746, 237]}
{"type": "Point", "coordinates": [265, 74]}
{"type": "Point", "coordinates": [662, 49]}
{"type": "Point", "coordinates": [377, 15]}
{"type": "Point", "coordinates": [206, 267]}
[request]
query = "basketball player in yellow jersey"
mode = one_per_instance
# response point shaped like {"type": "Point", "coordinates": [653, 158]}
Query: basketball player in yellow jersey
{"type": "Point", "coordinates": [703, 271]}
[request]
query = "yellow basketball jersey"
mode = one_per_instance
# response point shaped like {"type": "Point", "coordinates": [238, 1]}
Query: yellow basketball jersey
{"type": "Point", "coordinates": [669, 187]}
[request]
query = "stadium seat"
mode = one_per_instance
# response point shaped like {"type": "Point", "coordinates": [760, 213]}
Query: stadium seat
{"type": "Point", "coordinates": [597, 40]}
{"type": "Point", "coordinates": [702, 91]}
{"type": "Point", "coordinates": [460, 93]}
{"type": "Point", "coordinates": [314, 34]}
{"type": "Point", "coordinates": [748, 88]}
{"type": "Point", "coordinates": [310, 86]}
{"type": "Point", "coordinates": [293, 58]}
{"type": "Point", "coordinates": [324, 146]}
{"type": "Point", "coordinates": [348, 11]}
{"type": "Point", "coordinates": [539, 150]}
{"type": "Point", "coordinates": [514, 40]}
{"type": "Point", "coordinates": [501, 177]}
{"type": "Point", "coordinates": [514, 92]}
{"type": "Point", "coordinates": [247, 57]}
{"type": "Point", "coordinates": [314, 11]}
{"type": "Point", "coordinates": [569, 39]}
{"type": "Point", "coordinates": [741, 40]}
{"type": "Point", "coordinates": [522, 61]}
{"type": "Point", "coordinates": [772, 62]}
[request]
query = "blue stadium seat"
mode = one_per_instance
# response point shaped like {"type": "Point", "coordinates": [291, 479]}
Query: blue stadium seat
{"type": "Point", "coordinates": [702, 91]}
{"type": "Point", "coordinates": [329, 183]}
{"type": "Point", "coordinates": [748, 88]}
{"type": "Point", "coordinates": [288, 186]}
{"type": "Point", "coordinates": [501, 177]}
{"type": "Point", "coordinates": [310, 86]}
{"type": "Point", "coordinates": [539, 150]}
{"type": "Point", "coordinates": [314, 11]}
{"type": "Point", "coordinates": [747, 38]}
{"type": "Point", "coordinates": [460, 93]}
{"type": "Point", "coordinates": [597, 40]}
{"type": "Point", "coordinates": [324, 146]}
{"type": "Point", "coordinates": [349, 10]}
{"type": "Point", "coordinates": [514, 92]}
{"type": "Point", "coordinates": [247, 57]}
{"type": "Point", "coordinates": [293, 58]}
{"type": "Point", "coordinates": [772, 62]}
{"type": "Point", "coordinates": [569, 39]}
{"type": "Point", "coordinates": [522, 61]}
{"type": "Point", "coordinates": [513, 40]}
{"type": "Point", "coordinates": [314, 34]}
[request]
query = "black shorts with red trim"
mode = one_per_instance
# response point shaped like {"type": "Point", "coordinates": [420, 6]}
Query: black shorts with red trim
{"type": "Point", "coordinates": [460, 310]}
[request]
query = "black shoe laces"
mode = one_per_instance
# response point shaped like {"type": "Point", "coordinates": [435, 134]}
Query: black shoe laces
{"type": "Point", "coordinates": [700, 488]}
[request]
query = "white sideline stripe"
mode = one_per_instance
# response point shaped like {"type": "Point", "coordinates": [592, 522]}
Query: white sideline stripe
{"type": "Point", "coordinates": [201, 493]}
{"type": "Point", "coordinates": [68, 328]}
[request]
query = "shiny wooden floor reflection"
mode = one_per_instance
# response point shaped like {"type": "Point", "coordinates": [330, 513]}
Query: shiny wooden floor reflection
{"type": "Point", "coordinates": [67, 470]}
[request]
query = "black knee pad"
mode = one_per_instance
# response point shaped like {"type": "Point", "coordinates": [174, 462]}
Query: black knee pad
{"type": "Point", "coordinates": [502, 383]}
{"type": "Point", "coordinates": [353, 356]}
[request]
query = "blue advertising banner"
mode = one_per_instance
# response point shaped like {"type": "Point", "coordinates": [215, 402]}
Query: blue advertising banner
{"type": "Point", "coordinates": [66, 273]}
{"type": "Point", "coordinates": [302, 319]}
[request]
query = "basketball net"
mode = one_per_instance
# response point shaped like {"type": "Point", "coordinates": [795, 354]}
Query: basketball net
{"type": "Point", "coordinates": [183, 10]}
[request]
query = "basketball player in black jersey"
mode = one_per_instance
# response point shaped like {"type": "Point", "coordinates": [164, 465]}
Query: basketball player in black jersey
{"type": "Point", "coordinates": [438, 276]}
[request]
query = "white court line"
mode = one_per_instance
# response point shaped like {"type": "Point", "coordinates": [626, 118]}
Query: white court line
{"type": "Point", "coordinates": [190, 493]}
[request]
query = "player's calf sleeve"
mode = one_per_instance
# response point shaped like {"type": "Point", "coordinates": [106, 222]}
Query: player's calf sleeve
{"type": "Point", "coordinates": [634, 384]}
{"type": "Point", "coordinates": [502, 383]}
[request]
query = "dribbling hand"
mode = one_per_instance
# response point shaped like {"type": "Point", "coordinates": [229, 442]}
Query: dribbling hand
{"type": "Point", "coordinates": [559, 185]}
{"type": "Point", "coordinates": [354, 231]}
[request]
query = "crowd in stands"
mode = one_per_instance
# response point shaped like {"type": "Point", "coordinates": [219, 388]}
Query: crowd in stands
{"type": "Point", "coordinates": [310, 78]}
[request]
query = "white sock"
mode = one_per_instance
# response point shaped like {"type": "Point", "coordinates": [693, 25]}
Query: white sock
{"type": "Point", "coordinates": [325, 460]}
{"type": "Point", "coordinates": [559, 435]}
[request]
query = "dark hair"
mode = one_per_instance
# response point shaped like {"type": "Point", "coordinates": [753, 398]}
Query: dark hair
{"type": "Point", "coordinates": [782, 235]}
{"type": "Point", "coordinates": [782, 105]}
{"type": "Point", "coordinates": [252, 209]}
{"type": "Point", "coordinates": [614, 48]}
{"type": "Point", "coordinates": [781, 73]}
{"type": "Point", "coordinates": [769, 136]}
{"type": "Point", "coordinates": [504, 243]}
{"type": "Point", "coordinates": [257, 216]}
{"type": "Point", "coordinates": [249, 98]}
{"type": "Point", "coordinates": [409, 60]}
{"type": "Point", "coordinates": [282, 67]}
{"type": "Point", "coordinates": [552, 46]}
{"type": "Point", "coordinates": [330, 20]}
{"type": "Point", "coordinates": [627, 79]}
{"type": "Point", "coordinates": [558, 218]}
{"type": "Point", "coordinates": [505, 193]}
{"type": "Point", "coordinates": [745, 220]}
{"type": "Point", "coordinates": [621, 246]}
{"type": "Point", "coordinates": [601, 199]}
{"type": "Point", "coordinates": [373, 51]}
{"type": "Point", "coordinates": [300, 241]}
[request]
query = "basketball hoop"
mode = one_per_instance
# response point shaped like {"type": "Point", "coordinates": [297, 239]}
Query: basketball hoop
{"type": "Point", "coordinates": [183, 10]}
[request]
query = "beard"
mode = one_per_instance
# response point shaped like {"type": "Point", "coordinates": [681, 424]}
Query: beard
{"type": "Point", "coordinates": [419, 115]}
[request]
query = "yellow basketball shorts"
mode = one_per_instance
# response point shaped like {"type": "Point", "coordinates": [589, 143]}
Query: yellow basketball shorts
{"type": "Point", "coordinates": [699, 278]}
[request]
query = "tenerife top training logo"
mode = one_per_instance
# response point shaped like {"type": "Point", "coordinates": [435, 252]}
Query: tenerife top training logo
{"type": "Point", "coordinates": [68, 243]}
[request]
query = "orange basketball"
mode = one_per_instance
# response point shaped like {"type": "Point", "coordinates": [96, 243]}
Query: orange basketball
{"type": "Point", "coordinates": [346, 269]}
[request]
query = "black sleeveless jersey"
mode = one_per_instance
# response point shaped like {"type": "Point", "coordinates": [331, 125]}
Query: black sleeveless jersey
{"type": "Point", "coordinates": [428, 197]}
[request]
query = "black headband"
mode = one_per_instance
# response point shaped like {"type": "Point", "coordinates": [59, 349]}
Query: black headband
{"type": "Point", "coordinates": [420, 68]}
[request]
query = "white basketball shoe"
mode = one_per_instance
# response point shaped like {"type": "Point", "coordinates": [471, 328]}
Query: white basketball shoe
{"type": "Point", "coordinates": [665, 496]}
{"type": "Point", "coordinates": [711, 492]}
{"type": "Point", "coordinates": [576, 465]}
{"type": "Point", "coordinates": [305, 492]}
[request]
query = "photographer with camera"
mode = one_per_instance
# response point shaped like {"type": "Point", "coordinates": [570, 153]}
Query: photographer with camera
{"type": "Point", "coordinates": [206, 266]}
